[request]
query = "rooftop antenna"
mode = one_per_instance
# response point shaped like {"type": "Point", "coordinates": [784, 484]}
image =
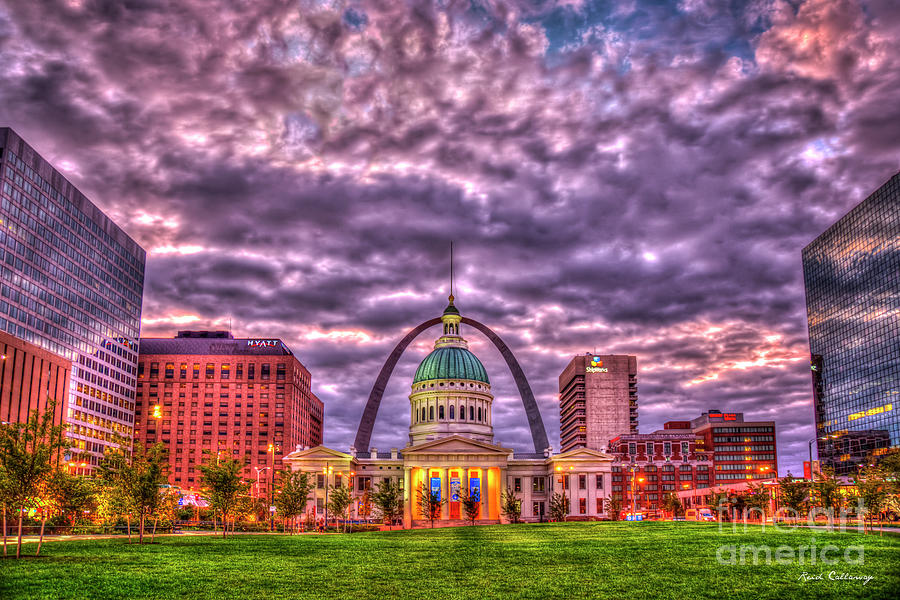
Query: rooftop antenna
{"type": "Point", "coordinates": [451, 270]}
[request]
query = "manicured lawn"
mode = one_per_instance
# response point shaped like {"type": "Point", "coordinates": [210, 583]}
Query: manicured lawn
{"type": "Point", "coordinates": [572, 560]}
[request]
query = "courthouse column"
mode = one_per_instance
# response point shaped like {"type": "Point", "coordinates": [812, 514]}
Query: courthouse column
{"type": "Point", "coordinates": [407, 493]}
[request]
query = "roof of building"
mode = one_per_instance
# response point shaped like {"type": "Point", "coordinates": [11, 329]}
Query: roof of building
{"type": "Point", "coordinates": [451, 363]}
{"type": "Point", "coordinates": [215, 346]}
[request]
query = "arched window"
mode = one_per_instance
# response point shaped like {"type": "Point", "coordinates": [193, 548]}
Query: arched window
{"type": "Point", "coordinates": [471, 413]}
{"type": "Point", "coordinates": [479, 413]}
{"type": "Point", "coordinates": [441, 413]}
{"type": "Point", "coordinates": [431, 413]}
{"type": "Point", "coordinates": [451, 413]}
{"type": "Point", "coordinates": [423, 413]}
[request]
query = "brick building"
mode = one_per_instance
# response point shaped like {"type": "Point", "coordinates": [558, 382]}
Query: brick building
{"type": "Point", "coordinates": [597, 400]}
{"type": "Point", "coordinates": [29, 377]}
{"type": "Point", "coordinates": [716, 448]}
{"type": "Point", "coordinates": [665, 461]}
{"type": "Point", "coordinates": [741, 449]}
{"type": "Point", "coordinates": [205, 390]}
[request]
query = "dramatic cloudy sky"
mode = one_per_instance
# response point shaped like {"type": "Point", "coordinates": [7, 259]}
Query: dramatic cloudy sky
{"type": "Point", "coordinates": [621, 177]}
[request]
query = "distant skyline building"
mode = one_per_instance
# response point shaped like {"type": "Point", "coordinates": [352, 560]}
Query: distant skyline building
{"type": "Point", "coordinates": [597, 400]}
{"type": "Point", "coordinates": [852, 278]}
{"type": "Point", "coordinates": [243, 398]}
{"type": "Point", "coordinates": [72, 283]}
{"type": "Point", "coordinates": [741, 450]}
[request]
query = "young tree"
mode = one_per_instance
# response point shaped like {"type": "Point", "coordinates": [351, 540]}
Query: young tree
{"type": "Point", "coordinates": [613, 507]}
{"type": "Point", "coordinates": [793, 493]}
{"type": "Point", "coordinates": [70, 494]}
{"type": "Point", "coordinates": [757, 499]}
{"type": "Point", "coordinates": [471, 504]}
{"type": "Point", "coordinates": [430, 502]}
{"type": "Point", "coordinates": [365, 504]}
{"type": "Point", "coordinates": [510, 506]}
{"type": "Point", "coordinates": [147, 475]}
{"type": "Point", "coordinates": [293, 495]}
{"type": "Point", "coordinates": [672, 504]}
{"type": "Point", "coordinates": [224, 484]}
{"type": "Point", "coordinates": [388, 500]}
{"type": "Point", "coordinates": [559, 507]}
{"type": "Point", "coordinates": [872, 487]}
{"type": "Point", "coordinates": [4, 501]}
{"type": "Point", "coordinates": [718, 501]}
{"type": "Point", "coordinates": [27, 452]}
{"type": "Point", "coordinates": [339, 501]}
{"type": "Point", "coordinates": [828, 493]}
{"type": "Point", "coordinates": [114, 497]}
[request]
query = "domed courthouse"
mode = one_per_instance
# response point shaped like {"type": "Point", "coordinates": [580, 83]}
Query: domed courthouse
{"type": "Point", "coordinates": [451, 442]}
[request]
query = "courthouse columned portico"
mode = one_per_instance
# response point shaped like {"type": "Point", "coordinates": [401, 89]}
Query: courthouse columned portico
{"type": "Point", "coordinates": [450, 449]}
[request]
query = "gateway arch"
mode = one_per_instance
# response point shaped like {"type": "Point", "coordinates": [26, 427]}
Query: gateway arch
{"type": "Point", "coordinates": [535, 422]}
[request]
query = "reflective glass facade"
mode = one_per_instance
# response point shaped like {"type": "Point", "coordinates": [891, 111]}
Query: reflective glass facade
{"type": "Point", "coordinates": [71, 282]}
{"type": "Point", "coordinates": [852, 278]}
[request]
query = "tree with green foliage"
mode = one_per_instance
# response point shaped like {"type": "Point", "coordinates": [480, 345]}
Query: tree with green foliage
{"type": "Point", "coordinates": [827, 493]}
{"type": "Point", "coordinates": [27, 453]}
{"type": "Point", "coordinates": [5, 500]}
{"type": "Point", "coordinates": [70, 494]}
{"type": "Point", "coordinates": [114, 498]}
{"type": "Point", "coordinates": [672, 504]}
{"type": "Point", "coordinates": [559, 507]}
{"type": "Point", "coordinates": [793, 494]}
{"type": "Point", "coordinates": [339, 501]}
{"type": "Point", "coordinates": [430, 502]}
{"type": "Point", "coordinates": [718, 501]}
{"type": "Point", "coordinates": [224, 485]}
{"type": "Point", "coordinates": [510, 505]}
{"type": "Point", "coordinates": [613, 507]}
{"type": "Point", "coordinates": [293, 494]}
{"type": "Point", "coordinates": [388, 500]}
{"type": "Point", "coordinates": [873, 489]}
{"type": "Point", "coordinates": [471, 504]}
{"type": "Point", "coordinates": [756, 499]}
{"type": "Point", "coordinates": [365, 505]}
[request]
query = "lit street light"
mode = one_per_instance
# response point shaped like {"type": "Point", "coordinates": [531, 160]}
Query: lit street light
{"type": "Point", "coordinates": [258, 471]}
{"type": "Point", "coordinates": [272, 449]}
{"type": "Point", "coordinates": [326, 470]}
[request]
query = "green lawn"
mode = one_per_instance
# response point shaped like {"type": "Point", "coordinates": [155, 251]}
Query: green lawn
{"type": "Point", "coordinates": [572, 560]}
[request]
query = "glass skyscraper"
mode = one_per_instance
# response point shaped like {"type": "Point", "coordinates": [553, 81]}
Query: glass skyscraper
{"type": "Point", "coordinates": [852, 278]}
{"type": "Point", "coordinates": [72, 283]}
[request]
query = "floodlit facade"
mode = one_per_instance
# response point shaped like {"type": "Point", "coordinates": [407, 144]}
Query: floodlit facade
{"type": "Point", "coordinates": [852, 278]}
{"type": "Point", "coordinates": [29, 376]}
{"type": "Point", "coordinates": [72, 284]}
{"type": "Point", "coordinates": [206, 394]}
{"type": "Point", "coordinates": [451, 448]}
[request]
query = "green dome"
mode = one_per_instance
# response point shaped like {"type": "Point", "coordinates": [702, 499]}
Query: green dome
{"type": "Point", "coordinates": [451, 363]}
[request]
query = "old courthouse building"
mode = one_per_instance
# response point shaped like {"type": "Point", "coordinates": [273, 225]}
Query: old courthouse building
{"type": "Point", "coordinates": [207, 391]}
{"type": "Point", "coordinates": [450, 444]}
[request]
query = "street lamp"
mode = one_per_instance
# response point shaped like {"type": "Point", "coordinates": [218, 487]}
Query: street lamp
{"type": "Point", "coordinates": [633, 497]}
{"type": "Point", "coordinates": [272, 449]}
{"type": "Point", "coordinates": [258, 471]}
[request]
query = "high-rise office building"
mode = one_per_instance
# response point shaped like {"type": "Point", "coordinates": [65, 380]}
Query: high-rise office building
{"type": "Point", "coordinates": [72, 283]}
{"type": "Point", "coordinates": [597, 400]}
{"type": "Point", "coordinates": [852, 278]}
{"type": "Point", "coordinates": [205, 391]}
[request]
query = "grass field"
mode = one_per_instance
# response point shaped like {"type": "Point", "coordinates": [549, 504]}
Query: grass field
{"type": "Point", "coordinates": [571, 560]}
